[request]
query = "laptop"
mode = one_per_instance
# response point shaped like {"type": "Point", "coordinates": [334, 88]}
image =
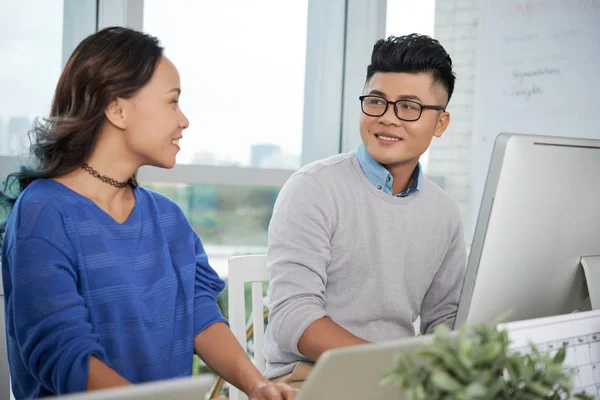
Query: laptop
{"type": "Point", "coordinates": [193, 388]}
{"type": "Point", "coordinates": [354, 373]}
{"type": "Point", "coordinates": [351, 373]}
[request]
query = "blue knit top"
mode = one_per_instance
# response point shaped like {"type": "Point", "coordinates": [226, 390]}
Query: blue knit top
{"type": "Point", "coordinates": [78, 283]}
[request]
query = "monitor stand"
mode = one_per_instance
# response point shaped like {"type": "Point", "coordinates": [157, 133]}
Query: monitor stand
{"type": "Point", "coordinates": [591, 269]}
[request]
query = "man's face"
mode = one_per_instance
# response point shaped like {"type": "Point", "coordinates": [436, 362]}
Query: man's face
{"type": "Point", "coordinates": [392, 141]}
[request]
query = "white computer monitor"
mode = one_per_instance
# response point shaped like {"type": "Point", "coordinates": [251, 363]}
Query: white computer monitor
{"type": "Point", "coordinates": [539, 221]}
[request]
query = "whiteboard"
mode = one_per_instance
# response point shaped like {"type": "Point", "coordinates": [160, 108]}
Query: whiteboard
{"type": "Point", "coordinates": [538, 72]}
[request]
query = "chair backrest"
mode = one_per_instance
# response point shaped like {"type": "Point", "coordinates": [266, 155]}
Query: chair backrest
{"type": "Point", "coordinates": [244, 269]}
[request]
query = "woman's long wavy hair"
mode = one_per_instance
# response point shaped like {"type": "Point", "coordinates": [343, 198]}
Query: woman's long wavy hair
{"type": "Point", "coordinates": [112, 63]}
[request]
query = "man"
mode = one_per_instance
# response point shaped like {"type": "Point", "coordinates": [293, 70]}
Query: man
{"type": "Point", "coordinates": [361, 244]}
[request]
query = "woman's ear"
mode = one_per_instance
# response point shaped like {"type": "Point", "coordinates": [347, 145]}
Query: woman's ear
{"type": "Point", "coordinates": [115, 113]}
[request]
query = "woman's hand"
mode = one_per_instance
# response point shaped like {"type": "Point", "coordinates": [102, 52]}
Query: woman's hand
{"type": "Point", "coordinates": [221, 351]}
{"type": "Point", "coordinates": [272, 391]}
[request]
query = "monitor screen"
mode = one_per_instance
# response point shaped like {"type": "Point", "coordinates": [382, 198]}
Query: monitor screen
{"type": "Point", "coordinates": [540, 214]}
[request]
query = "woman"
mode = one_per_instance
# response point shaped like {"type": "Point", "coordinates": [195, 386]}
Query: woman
{"type": "Point", "coordinates": [106, 282]}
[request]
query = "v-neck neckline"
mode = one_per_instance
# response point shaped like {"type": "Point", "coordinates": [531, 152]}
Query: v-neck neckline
{"type": "Point", "coordinates": [130, 218]}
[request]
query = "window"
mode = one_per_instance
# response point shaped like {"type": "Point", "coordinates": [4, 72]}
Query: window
{"type": "Point", "coordinates": [244, 78]}
{"type": "Point", "coordinates": [230, 220]}
{"type": "Point", "coordinates": [242, 75]}
{"type": "Point", "coordinates": [31, 42]}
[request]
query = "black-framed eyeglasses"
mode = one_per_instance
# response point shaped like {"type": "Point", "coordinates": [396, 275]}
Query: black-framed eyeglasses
{"type": "Point", "coordinates": [406, 110]}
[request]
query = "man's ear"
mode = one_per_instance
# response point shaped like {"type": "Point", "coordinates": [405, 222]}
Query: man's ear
{"type": "Point", "coordinates": [116, 114]}
{"type": "Point", "coordinates": [442, 124]}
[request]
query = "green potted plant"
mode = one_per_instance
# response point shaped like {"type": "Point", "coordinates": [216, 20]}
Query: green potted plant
{"type": "Point", "coordinates": [477, 363]}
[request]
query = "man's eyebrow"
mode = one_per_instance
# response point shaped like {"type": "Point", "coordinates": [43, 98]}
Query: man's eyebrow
{"type": "Point", "coordinates": [401, 97]}
{"type": "Point", "coordinates": [409, 97]}
{"type": "Point", "coordinates": [377, 92]}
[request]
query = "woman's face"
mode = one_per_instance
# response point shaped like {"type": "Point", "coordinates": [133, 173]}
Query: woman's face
{"type": "Point", "coordinates": [154, 121]}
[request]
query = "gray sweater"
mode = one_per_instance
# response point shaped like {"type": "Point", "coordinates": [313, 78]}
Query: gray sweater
{"type": "Point", "coordinates": [369, 261]}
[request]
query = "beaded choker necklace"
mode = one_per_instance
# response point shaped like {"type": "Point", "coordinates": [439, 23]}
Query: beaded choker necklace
{"type": "Point", "coordinates": [104, 178]}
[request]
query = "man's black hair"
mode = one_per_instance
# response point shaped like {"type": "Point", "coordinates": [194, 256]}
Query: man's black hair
{"type": "Point", "coordinates": [414, 54]}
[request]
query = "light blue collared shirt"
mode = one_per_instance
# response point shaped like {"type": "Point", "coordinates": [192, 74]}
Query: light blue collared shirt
{"type": "Point", "coordinates": [381, 178]}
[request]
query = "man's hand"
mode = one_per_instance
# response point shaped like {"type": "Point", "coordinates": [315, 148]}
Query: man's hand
{"type": "Point", "coordinates": [272, 391]}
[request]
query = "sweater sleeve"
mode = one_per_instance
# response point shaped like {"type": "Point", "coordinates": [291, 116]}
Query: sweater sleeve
{"type": "Point", "coordinates": [48, 318]}
{"type": "Point", "coordinates": [441, 300]}
{"type": "Point", "coordinates": [298, 255]}
{"type": "Point", "coordinates": [207, 288]}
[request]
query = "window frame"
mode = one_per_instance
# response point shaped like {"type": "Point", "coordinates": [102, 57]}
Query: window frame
{"type": "Point", "coordinates": [334, 74]}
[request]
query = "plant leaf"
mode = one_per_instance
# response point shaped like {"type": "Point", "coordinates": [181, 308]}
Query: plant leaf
{"type": "Point", "coordinates": [538, 389]}
{"type": "Point", "coordinates": [559, 358]}
{"type": "Point", "coordinates": [476, 389]}
{"type": "Point", "coordinates": [442, 380]}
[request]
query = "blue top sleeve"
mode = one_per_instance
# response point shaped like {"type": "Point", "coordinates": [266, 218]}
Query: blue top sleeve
{"type": "Point", "coordinates": [207, 289]}
{"type": "Point", "coordinates": [50, 320]}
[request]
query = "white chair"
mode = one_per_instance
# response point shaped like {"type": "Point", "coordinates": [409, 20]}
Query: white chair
{"type": "Point", "coordinates": [244, 269]}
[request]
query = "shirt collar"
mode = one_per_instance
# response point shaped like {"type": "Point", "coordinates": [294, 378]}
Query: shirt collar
{"type": "Point", "coordinates": [381, 178]}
